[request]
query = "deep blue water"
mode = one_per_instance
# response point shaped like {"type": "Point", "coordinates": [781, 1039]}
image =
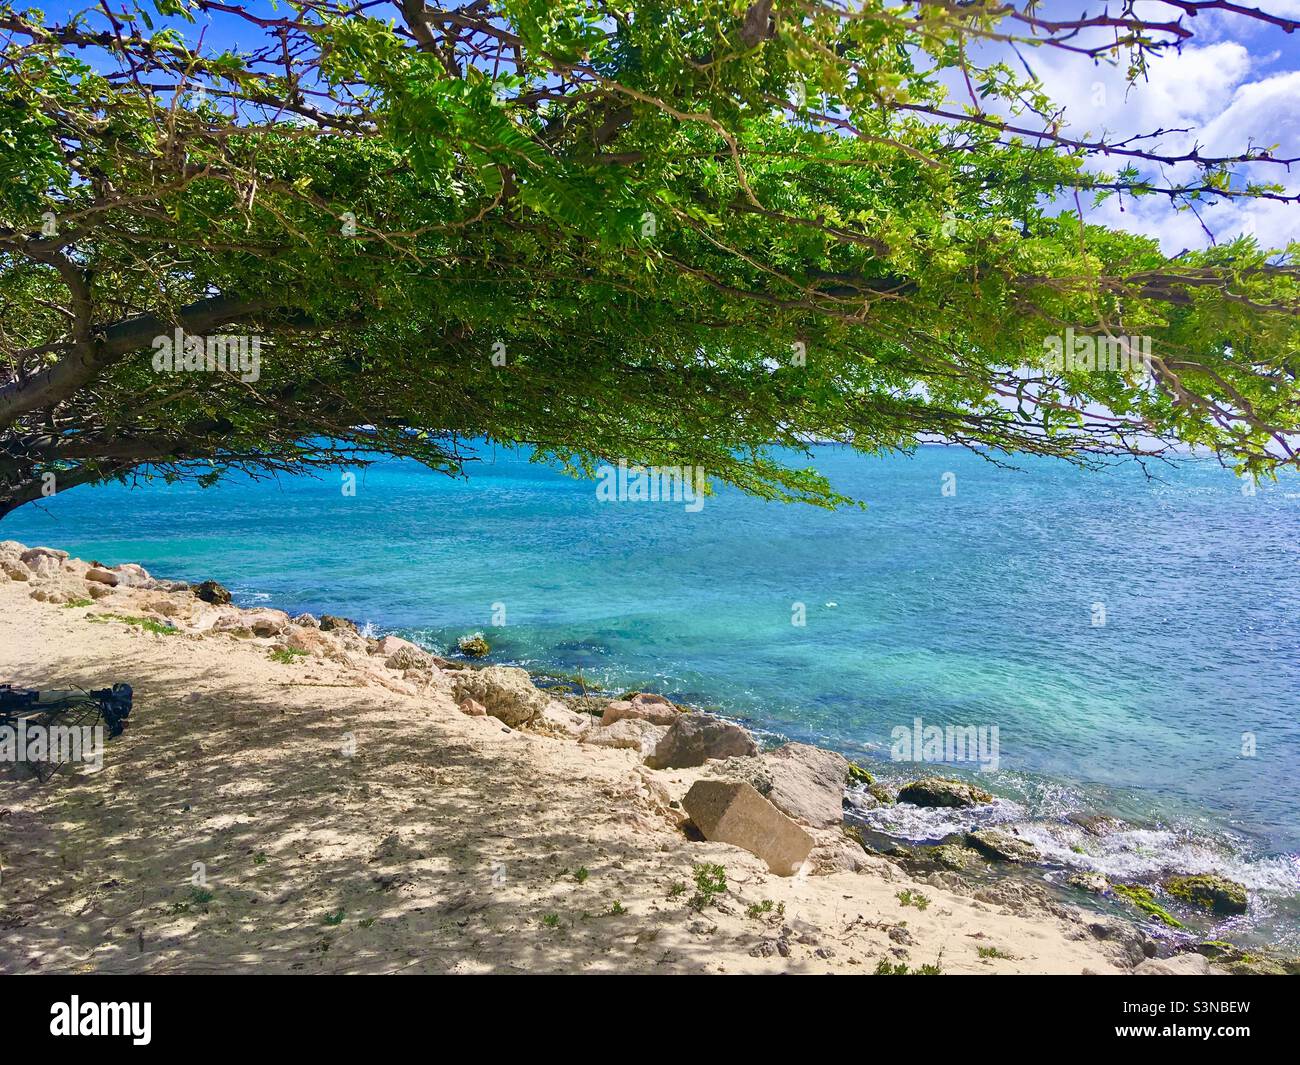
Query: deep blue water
{"type": "Point", "coordinates": [974, 608]}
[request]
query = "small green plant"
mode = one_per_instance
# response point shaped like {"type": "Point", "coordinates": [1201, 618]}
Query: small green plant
{"type": "Point", "coordinates": [366, 922]}
{"type": "Point", "coordinates": [618, 909]}
{"type": "Point", "coordinates": [907, 897]}
{"type": "Point", "coordinates": [71, 603]}
{"type": "Point", "coordinates": [259, 858]}
{"type": "Point", "coordinates": [676, 889]}
{"type": "Point", "coordinates": [201, 896]}
{"type": "Point", "coordinates": [710, 882]}
{"type": "Point", "coordinates": [287, 655]}
{"type": "Point", "coordinates": [887, 968]}
{"type": "Point", "coordinates": [335, 918]}
{"type": "Point", "coordinates": [551, 920]}
{"type": "Point", "coordinates": [149, 625]}
{"type": "Point", "coordinates": [993, 952]}
{"type": "Point", "coordinates": [581, 875]}
{"type": "Point", "coordinates": [761, 909]}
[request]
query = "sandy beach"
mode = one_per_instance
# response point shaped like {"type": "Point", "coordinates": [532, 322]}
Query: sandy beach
{"type": "Point", "coordinates": [271, 809]}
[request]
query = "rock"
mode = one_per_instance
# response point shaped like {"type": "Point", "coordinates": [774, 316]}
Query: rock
{"type": "Point", "coordinates": [1092, 882]}
{"type": "Point", "coordinates": [388, 646]}
{"type": "Point", "coordinates": [752, 770]}
{"type": "Point", "coordinates": [807, 783]}
{"type": "Point", "coordinates": [1002, 846]}
{"type": "Point", "coordinates": [560, 720]}
{"type": "Point", "coordinates": [507, 692]}
{"type": "Point", "coordinates": [103, 576]}
{"type": "Point", "coordinates": [472, 707]}
{"type": "Point", "coordinates": [266, 622]}
{"type": "Point", "coordinates": [631, 733]}
{"type": "Point", "coordinates": [15, 571]}
{"type": "Point", "coordinates": [12, 549]}
{"type": "Point", "coordinates": [1241, 962]}
{"type": "Point", "coordinates": [1217, 894]}
{"type": "Point", "coordinates": [313, 641]}
{"type": "Point", "coordinates": [655, 709]}
{"type": "Point", "coordinates": [1129, 943]}
{"type": "Point", "coordinates": [692, 739]}
{"type": "Point", "coordinates": [43, 561]}
{"type": "Point", "coordinates": [410, 658]}
{"type": "Point", "coordinates": [936, 791]}
{"type": "Point", "coordinates": [331, 623]}
{"type": "Point", "coordinates": [727, 811]}
{"type": "Point", "coordinates": [211, 592]}
{"type": "Point", "coordinates": [306, 621]}
{"type": "Point", "coordinates": [132, 576]}
{"type": "Point", "coordinates": [474, 646]}
{"type": "Point", "coordinates": [952, 856]}
{"type": "Point", "coordinates": [1179, 965]}
{"type": "Point", "coordinates": [1093, 824]}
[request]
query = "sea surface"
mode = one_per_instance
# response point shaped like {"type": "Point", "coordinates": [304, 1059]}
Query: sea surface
{"type": "Point", "coordinates": [1134, 639]}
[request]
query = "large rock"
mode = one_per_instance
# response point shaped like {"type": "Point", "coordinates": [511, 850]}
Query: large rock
{"type": "Point", "coordinates": [507, 692]}
{"type": "Point", "coordinates": [15, 570]}
{"type": "Point", "coordinates": [1179, 965]}
{"type": "Point", "coordinates": [1001, 846]}
{"type": "Point", "coordinates": [211, 592]}
{"type": "Point", "coordinates": [43, 561]}
{"type": "Point", "coordinates": [653, 708]}
{"type": "Point", "coordinates": [133, 576]}
{"type": "Point", "coordinates": [331, 622]}
{"type": "Point", "coordinates": [731, 811]}
{"type": "Point", "coordinates": [694, 738]}
{"type": "Point", "coordinates": [313, 641]}
{"type": "Point", "coordinates": [631, 733]}
{"type": "Point", "coordinates": [807, 783]}
{"type": "Point", "coordinates": [936, 791]}
{"type": "Point", "coordinates": [1217, 894]}
{"type": "Point", "coordinates": [266, 622]}
{"type": "Point", "coordinates": [103, 576]}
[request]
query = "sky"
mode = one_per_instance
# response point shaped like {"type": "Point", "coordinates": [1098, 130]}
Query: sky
{"type": "Point", "coordinates": [1236, 85]}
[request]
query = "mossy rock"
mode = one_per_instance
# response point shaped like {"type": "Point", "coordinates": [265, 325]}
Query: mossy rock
{"type": "Point", "coordinates": [952, 856]}
{"type": "Point", "coordinates": [1094, 883]}
{"type": "Point", "coordinates": [1002, 846]}
{"type": "Point", "coordinates": [1209, 892]}
{"type": "Point", "coordinates": [938, 791]}
{"type": "Point", "coordinates": [858, 775]}
{"type": "Point", "coordinates": [1243, 962]}
{"type": "Point", "coordinates": [1145, 900]}
{"type": "Point", "coordinates": [474, 646]}
{"type": "Point", "coordinates": [881, 794]}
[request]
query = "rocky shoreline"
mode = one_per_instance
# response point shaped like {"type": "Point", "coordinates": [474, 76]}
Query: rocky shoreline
{"type": "Point", "coordinates": [797, 808]}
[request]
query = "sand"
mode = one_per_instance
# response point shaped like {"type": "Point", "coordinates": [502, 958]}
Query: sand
{"type": "Point", "coordinates": [313, 817]}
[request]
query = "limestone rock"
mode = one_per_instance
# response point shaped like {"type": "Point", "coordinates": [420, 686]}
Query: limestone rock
{"type": "Point", "coordinates": [807, 783]}
{"type": "Point", "coordinates": [507, 692]}
{"type": "Point", "coordinates": [631, 733]}
{"type": "Point", "coordinates": [103, 576]}
{"type": "Point", "coordinates": [936, 791]}
{"type": "Point", "coordinates": [653, 708]}
{"type": "Point", "coordinates": [472, 707]}
{"type": "Point", "coordinates": [1002, 846]}
{"type": "Point", "coordinates": [1179, 965]}
{"type": "Point", "coordinates": [1091, 882]}
{"type": "Point", "coordinates": [728, 811]}
{"type": "Point", "coordinates": [15, 571]}
{"type": "Point", "coordinates": [329, 622]}
{"type": "Point", "coordinates": [692, 739]}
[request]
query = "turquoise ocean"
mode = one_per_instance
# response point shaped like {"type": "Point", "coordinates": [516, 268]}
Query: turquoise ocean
{"type": "Point", "coordinates": [1135, 639]}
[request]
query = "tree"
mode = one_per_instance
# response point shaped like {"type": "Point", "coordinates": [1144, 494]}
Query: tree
{"type": "Point", "coordinates": [670, 231]}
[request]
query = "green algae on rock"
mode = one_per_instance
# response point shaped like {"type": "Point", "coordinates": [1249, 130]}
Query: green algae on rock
{"type": "Point", "coordinates": [1209, 892]}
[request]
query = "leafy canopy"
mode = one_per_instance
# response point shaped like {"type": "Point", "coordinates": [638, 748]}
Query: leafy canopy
{"type": "Point", "coordinates": [673, 232]}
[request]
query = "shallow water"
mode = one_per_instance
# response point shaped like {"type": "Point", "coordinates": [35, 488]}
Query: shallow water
{"type": "Point", "coordinates": [974, 608]}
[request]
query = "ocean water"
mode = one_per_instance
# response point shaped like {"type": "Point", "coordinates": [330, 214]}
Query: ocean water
{"type": "Point", "coordinates": [1135, 640]}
